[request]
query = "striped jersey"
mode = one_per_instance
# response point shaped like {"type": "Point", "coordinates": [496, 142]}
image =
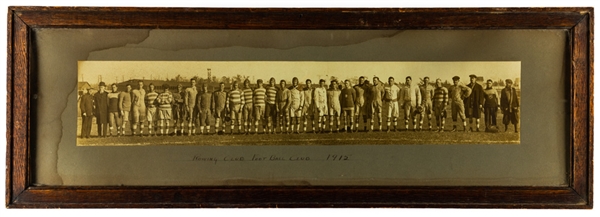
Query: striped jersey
{"type": "Point", "coordinates": [440, 95]}
{"type": "Point", "coordinates": [271, 94]}
{"type": "Point", "coordinates": [234, 97]}
{"type": "Point", "coordinates": [248, 95]}
{"type": "Point", "coordinates": [165, 100]}
{"type": "Point", "coordinates": [260, 95]}
{"type": "Point", "coordinates": [151, 99]}
{"type": "Point", "coordinates": [113, 102]}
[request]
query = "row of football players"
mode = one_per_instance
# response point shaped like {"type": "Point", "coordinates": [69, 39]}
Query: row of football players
{"type": "Point", "coordinates": [283, 109]}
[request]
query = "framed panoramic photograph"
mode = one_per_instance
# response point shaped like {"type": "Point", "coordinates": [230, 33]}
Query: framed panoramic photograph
{"type": "Point", "coordinates": [303, 107]}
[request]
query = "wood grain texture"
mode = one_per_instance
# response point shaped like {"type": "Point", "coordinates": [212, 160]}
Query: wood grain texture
{"type": "Point", "coordinates": [582, 108]}
{"type": "Point", "coordinates": [578, 21]}
{"type": "Point", "coordinates": [18, 112]}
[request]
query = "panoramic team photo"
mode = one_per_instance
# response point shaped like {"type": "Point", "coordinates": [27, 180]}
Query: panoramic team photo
{"type": "Point", "coordinates": [336, 109]}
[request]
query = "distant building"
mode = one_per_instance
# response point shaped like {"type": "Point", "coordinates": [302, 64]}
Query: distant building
{"type": "Point", "coordinates": [159, 83]}
{"type": "Point", "coordinates": [83, 85]}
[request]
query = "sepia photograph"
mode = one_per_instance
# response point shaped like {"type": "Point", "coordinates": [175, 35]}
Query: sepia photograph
{"type": "Point", "coordinates": [299, 107]}
{"type": "Point", "coordinates": [129, 103]}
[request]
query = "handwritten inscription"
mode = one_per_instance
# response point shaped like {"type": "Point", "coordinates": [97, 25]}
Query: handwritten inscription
{"type": "Point", "coordinates": [271, 158]}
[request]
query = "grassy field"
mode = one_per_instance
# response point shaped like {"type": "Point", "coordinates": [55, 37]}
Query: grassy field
{"type": "Point", "coordinates": [341, 138]}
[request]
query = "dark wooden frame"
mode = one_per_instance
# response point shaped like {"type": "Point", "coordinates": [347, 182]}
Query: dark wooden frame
{"type": "Point", "coordinates": [21, 194]}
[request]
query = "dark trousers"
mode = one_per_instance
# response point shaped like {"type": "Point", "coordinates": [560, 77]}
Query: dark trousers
{"type": "Point", "coordinates": [102, 129]}
{"type": "Point", "coordinates": [490, 116]}
{"type": "Point", "coordinates": [510, 117]}
{"type": "Point", "coordinates": [86, 126]}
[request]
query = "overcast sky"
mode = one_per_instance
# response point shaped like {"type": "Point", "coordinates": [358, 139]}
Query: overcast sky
{"type": "Point", "coordinates": [116, 71]}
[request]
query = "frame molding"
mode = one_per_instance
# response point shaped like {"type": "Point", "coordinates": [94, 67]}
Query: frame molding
{"type": "Point", "coordinates": [21, 194]}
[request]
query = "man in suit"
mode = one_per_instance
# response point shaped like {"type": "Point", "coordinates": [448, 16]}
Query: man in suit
{"type": "Point", "coordinates": [101, 110]}
{"type": "Point", "coordinates": [86, 104]}
{"type": "Point", "coordinates": [474, 103]}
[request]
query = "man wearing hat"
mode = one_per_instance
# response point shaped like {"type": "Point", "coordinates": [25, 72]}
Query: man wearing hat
{"type": "Point", "coordinates": [474, 103]}
{"type": "Point", "coordinates": [458, 92]}
{"type": "Point", "coordinates": [509, 103]}
{"type": "Point", "coordinates": [101, 110]}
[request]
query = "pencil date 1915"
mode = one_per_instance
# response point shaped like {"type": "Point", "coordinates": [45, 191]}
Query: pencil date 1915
{"type": "Point", "coordinates": [337, 157]}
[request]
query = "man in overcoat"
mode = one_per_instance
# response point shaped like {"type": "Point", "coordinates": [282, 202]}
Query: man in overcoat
{"type": "Point", "coordinates": [101, 110]}
{"type": "Point", "coordinates": [509, 103]}
{"type": "Point", "coordinates": [86, 104]}
{"type": "Point", "coordinates": [474, 102]}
